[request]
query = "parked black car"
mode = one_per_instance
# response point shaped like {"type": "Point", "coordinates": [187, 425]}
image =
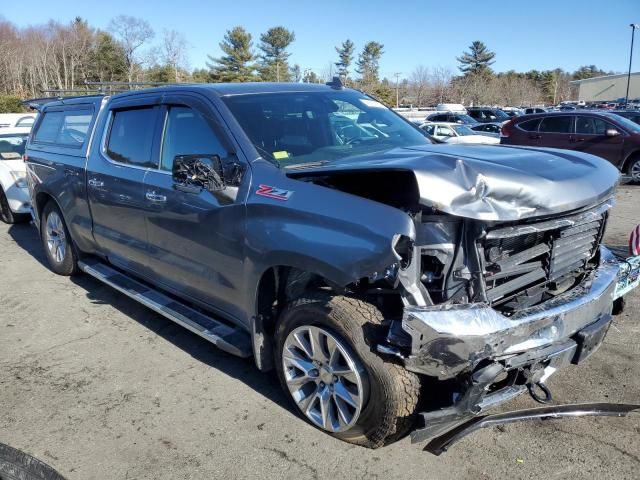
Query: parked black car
{"type": "Point", "coordinates": [452, 117]}
{"type": "Point", "coordinates": [605, 134]}
{"type": "Point", "coordinates": [487, 115]}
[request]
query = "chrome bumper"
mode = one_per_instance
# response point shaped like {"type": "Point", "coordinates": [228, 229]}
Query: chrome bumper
{"type": "Point", "coordinates": [449, 340]}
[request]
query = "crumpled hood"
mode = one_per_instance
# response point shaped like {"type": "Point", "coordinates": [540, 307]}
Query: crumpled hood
{"type": "Point", "coordinates": [492, 183]}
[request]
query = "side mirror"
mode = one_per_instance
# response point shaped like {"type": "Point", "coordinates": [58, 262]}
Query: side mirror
{"type": "Point", "coordinates": [193, 173]}
{"type": "Point", "coordinates": [611, 132]}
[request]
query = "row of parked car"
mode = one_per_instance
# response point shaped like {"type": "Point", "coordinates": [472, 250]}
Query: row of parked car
{"type": "Point", "coordinates": [610, 134]}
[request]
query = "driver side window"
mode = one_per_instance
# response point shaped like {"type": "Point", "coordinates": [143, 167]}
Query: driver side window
{"type": "Point", "coordinates": [186, 132]}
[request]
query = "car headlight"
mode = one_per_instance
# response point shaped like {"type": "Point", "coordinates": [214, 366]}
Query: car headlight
{"type": "Point", "coordinates": [20, 178]}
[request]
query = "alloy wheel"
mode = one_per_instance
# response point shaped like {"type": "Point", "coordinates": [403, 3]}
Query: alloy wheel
{"type": "Point", "coordinates": [55, 237]}
{"type": "Point", "coordinates": [635, 171]}
{"type": "Point", "coordinates": [323, 377]}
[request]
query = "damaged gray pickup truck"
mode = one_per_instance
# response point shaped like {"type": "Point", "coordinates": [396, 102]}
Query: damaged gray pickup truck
{"type": "Point", "coordinates": [395, 284]}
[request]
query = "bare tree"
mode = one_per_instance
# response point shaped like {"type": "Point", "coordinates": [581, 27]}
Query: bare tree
{"type": "Point", "coordinates": [132, 33]}
{"type": "Point", "coordinates": [441, 83]}
{"type": "Point", "coordinates": [174, 51]}
{"type": "Point", "coordinates": [419, 82]}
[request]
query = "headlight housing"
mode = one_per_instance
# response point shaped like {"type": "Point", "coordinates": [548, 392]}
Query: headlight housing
{"type": "Point", "coordinates": [20, 179]}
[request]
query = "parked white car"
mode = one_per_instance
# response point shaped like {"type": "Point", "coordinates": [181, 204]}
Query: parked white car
{"type": "Point", "coordinates": [456, 133]}
{"type": "Point", "coordinates": [8, 120]}
{"type": "Point", "coordinates": [451, 107]}
{"type": "Point", "coordinates": [14, 196]}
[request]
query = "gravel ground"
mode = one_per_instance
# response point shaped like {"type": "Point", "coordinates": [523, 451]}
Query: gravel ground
{"type": "Point", "coordinates": [101, 388]}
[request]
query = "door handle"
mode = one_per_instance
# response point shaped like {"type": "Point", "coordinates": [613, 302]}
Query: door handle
{"type": "Point", "coordinates": [535, 137]}
{"type": "Point", "coordinates": [95, 182]}
{"type": "Point", "coordinates": [154, 197]}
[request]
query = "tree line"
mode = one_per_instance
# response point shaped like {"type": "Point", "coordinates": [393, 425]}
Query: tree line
{"type": "Point", "coordinates": [69, 57]}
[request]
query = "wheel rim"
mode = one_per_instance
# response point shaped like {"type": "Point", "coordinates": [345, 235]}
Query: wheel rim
{"type": "Point", "coordinates": [55, 236]}
{"type": "Point", "coordinates": [635, 171]}
{"type": "Point", "coordinates": [323, 377]}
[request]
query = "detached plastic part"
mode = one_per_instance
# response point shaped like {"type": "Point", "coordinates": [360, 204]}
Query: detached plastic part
{"type": "Point", "coordinates": [440, 444]}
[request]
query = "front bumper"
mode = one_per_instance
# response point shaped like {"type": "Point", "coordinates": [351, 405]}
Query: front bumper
{"type": "Point", "coordinates": [449, 340]}
{"type": "Point", "coordinates": [480, 347]}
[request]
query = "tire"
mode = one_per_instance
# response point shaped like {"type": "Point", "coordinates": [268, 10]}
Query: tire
{"type": "Point", "coordinates": [6, 215]}
{"type": "Point", "coordinates": [58, 245]}
{"type": "Point", "coordinates": [389, 393]}
{"type": "Point", "coordinates": [633, 170]}
{"type": "Point", "coordinates": [17, 465]}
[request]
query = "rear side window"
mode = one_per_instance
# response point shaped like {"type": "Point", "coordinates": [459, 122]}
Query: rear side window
{"type": "Point", "coordinates": [64, 127]}
{"type": "Point", "coordinates": [555, 125]}
{"type": "Point", "coordinates": [131, 136]}
{"type": "Point", "coordinates": [49, 127]}
{"type": "Point", "coordinates": [529, 125]}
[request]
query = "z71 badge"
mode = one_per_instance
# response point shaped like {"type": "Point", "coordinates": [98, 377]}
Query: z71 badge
{"type": "Point", "coordinates": [273, 192]}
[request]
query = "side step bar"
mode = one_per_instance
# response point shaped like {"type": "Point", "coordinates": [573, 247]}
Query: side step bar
{"type": "Point", "coordinates": [232, 340]}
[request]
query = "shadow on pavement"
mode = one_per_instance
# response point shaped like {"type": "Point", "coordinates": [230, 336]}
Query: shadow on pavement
{"type": "Point", "coordinates": [26, 236]}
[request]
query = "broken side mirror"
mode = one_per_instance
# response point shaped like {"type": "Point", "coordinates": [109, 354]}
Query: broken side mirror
{"type": "Point", "coordinates": [611, 132]}
{"type": "Point", "coordinates": [192, 173]}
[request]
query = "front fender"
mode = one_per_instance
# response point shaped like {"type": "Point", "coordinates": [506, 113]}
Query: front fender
{"type": "Point", "coordinates": [338, 236]}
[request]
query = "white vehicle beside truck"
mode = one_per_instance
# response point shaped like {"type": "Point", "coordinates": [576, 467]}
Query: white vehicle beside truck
{"type": "Point", "coordinates": [14, 194]}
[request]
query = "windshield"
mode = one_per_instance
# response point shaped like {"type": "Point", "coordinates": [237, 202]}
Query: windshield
{"type": "Point", "coordinates": [628, 124]}
{"type": "Point", "coordinates": [463, 130]}
{"type": "Point", "coordinates": [464, 118]}
{"type": "Point", "coordinates": [12, 146]}
{"type": "Point", "coordinates": [291, 128]}
{"type": "Point", "coordinates": [500, 115]}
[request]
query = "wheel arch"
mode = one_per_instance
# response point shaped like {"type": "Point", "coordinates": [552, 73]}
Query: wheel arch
{"type": "Point", "coordinates": [277, 286]}
{"type": "Point", "coordinates": [630, 157]}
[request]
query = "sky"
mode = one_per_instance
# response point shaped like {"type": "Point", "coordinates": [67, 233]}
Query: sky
{"type": "Point", "coordinates": [525, 35]}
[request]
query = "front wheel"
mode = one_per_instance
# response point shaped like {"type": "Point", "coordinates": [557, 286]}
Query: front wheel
{"type": "Point", "coordinates": [327, 366]}
{"type": "Point", "coordinates": [57, 242]}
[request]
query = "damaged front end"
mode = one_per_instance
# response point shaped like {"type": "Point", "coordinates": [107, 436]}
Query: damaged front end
{"type": "Point", "coordinates": [495, 308]}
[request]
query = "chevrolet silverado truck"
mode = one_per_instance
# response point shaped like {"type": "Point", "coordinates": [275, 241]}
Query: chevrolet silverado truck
{"type": "Point", "coordinates": [395, 284]}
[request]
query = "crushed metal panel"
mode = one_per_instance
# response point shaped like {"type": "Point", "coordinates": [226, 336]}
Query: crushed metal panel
{"type": "Point", "coordinates": [440, 444]}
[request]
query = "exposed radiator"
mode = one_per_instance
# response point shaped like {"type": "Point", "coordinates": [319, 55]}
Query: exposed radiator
{"type": "Point", "coordinates": [525, 264]}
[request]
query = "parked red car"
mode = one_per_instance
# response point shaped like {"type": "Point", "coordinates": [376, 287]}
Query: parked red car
{"type": "Point", "coordinates": [605, 134]}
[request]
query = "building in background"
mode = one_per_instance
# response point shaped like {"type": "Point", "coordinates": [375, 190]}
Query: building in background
{"type": "Point", "coordinates": [608, 88]}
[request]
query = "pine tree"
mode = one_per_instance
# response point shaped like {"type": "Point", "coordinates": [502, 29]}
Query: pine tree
{"type": "Point", "coordinates": [236, 65]}
{"type": "Point", "coordinates": [345, 53]}
{"type": "Point", "coordinates": [274, 65]}
{"type": "Point", "coordinates": [477, 60]}
{"type": "Point", "coordinates": [369, 62]}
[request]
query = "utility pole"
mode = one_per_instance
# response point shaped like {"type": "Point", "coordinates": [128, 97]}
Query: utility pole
{"type": "Point", "coordinates": [633, 32]}
{"type": "Point", "coordinates": [397, 75]}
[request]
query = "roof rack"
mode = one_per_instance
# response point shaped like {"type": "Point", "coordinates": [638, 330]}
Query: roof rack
{"type": "Point", "coordinates": [93, 89]}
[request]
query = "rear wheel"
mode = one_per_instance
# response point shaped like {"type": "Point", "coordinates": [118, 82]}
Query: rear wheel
{"type": "Point", "coordinates": [327, 367]}
{"type": "Point", "coordinates": [57, 242]}
{"type": "Point", "coordinates": [633, 170]}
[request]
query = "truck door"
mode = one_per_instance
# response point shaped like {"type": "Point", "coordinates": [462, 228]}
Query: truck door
{"type": "Point", "coordinates": [196, 238]}
{"type": "Point", "coordinates": [115, 179]}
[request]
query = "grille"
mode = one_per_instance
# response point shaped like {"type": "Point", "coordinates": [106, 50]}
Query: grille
{"type": "Point", "coordinates": [528, 263]}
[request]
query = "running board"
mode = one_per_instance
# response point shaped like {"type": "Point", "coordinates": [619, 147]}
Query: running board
{"type": "Point", "coordinates": [232, 340]}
